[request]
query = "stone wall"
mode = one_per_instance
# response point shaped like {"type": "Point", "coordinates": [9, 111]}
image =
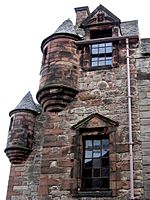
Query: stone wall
{"type": "Point", "coordinates": [143, 69]}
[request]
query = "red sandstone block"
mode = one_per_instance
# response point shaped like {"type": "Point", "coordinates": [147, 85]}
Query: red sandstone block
{"type": "Point", "coordinates": [43, 190]}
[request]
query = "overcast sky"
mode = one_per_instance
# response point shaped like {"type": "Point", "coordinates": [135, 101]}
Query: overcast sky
{"type": "Point", "coordinates": [23, 26]}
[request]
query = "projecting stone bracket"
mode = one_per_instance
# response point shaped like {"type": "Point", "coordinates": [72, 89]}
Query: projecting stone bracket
{"type": "Point", "coordinates": [55, 98]}
{"type": "Point", "coordinates": [17, 154]}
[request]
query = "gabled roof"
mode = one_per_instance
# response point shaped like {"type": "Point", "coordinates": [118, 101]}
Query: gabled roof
{"type": "Point", "coordinates": [100, 8]}
{"type": "Point", "coordinates": [95, 120]}
{"type": "Point", "coordinates": [27, 103]}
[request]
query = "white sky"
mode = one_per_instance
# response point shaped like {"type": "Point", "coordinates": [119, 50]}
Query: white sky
{"type": "Point", "coordinates": [23, 26]}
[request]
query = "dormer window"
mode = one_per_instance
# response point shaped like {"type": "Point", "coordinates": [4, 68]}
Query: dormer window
{"type": "Point", "coordinates": [101, 54]}
{"type": "Point", "coordinates": [94, 34]}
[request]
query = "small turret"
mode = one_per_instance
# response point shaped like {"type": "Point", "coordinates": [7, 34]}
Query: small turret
{"type": "Point", "coordinates": [21, 130]}
{"type": "Point", "coordinates": [59, 70]}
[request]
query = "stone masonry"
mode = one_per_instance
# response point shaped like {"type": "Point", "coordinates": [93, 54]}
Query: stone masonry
{"type": "Point", "coordinates": [78, 100]}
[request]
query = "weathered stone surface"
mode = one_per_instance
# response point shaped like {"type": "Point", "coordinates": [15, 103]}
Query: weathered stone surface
{"type": "Point", "coordinates": [53, 169]}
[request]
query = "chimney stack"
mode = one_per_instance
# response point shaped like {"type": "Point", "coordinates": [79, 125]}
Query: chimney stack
{"type": "Point", "coordinates": [81, 14]}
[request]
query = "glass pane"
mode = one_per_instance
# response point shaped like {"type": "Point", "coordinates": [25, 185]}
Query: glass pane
{"type": "Point", "coordinates": [96, 183]}
{"type": "Point", "coordinates": [94, 64]}
{"type": "Point", "coordinates": [102, 45]}
{"type": "Point", "coordinates": [105, 147]}
{"type": "Point", "coordinates": [96, 154]}
{"type": "Point", "coordinates": [105, 162]}
{"type": "Point", "coordinates": [102, 59]}
{"type": "Point", "coordinates": [105, 143]}
{"type": "Point", "coordinates": [105, 183]}
{"type": "Point", "coordinates": [108, 62]}
{"type": "Point", "coordinates": [95, 59]}
{"type": "Point", "coordinates": [88, 144]}
{"type": "Point", "coordinates": [108, 44]}
{"type": "Point", "coordinates": [94, 46]}
{"type": "Point", "coordinates": [96, 173]}
{"type": "Point", "coordinates": [101, 63]}
{"type": "Point", "coordinates": [105, 172]}
{"type": "Point", "coordinates": [95, 51]}
{"type": "Point", "coordinates": [87, 183]}
{"type": "Point", "coordinates": [96, 163]}
{"type": "Point", "coordinates": [101, 50]}
{"type": "Point", "coordinates": [87, 163]}
{"type": "Point", "coordinates": [87, 173]}
{"type": "Point", "coordinates": [97, 144]}
{"type": "Point", "coordinates": [88, 154]}
{"type": "Point", "coordinates": [108, 49]}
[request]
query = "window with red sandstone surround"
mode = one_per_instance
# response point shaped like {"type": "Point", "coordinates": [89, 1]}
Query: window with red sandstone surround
{"type": "Point", "coordinates": [95, 166]}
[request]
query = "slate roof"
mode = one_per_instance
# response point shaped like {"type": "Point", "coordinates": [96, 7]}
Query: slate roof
{"type": "Point", "coordinates": [27, 103]}
{"type": "Point", "coordinates": [145, 46]}
{"type": "Point", "coordinates": [129, 28]}
{"type": "Point", "coordinates": [66, 27]}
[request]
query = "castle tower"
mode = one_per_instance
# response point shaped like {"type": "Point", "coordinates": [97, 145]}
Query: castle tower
{"type": "Point", "coordinates": [21, 130]}
{"type": "Point", "coordinates": [59, 70]}
{"type": "Point", "coordinates": [89, 141]}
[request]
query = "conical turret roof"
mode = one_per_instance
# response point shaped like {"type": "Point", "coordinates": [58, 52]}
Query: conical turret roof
{"type": "Point", "coordinates": [27, 103]}
{"type": "Point", "coordinates": [66, 27]}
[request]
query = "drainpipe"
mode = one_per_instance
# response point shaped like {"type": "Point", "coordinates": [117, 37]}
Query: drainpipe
{"type": "Point", "coordinates": [130, 123]}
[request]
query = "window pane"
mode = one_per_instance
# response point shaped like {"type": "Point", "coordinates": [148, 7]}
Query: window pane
{"type": "Point", "coordinates": [97, 144]}
{"type": "Point", "coordinates": [101, 50]}
{"type": "Point", "coordinates": [102, 45]}
{"type": "Point", "coordinates": [94, 46]}
{"type": "Point", "coordinates": [96, 163]}
{"type": "Point", "coordinates": [101, 63]}
{"type": "Point", "coordinates": [88, 154]}
{"type": "Point", "coordinates": [108, 62]}
{"type": "Point", "coordinates": [96, 183]}
{"type": "Point", "coordinates": [88, 144]}
{"type": "Point", "coordinates": [96, 154]}
{"type": "Point", "coordinates": [87, 183]}
{"type": "Point", "coordinates": [105, 144]}
{"type": "Point", "coordinates": [94, 51]}
{"type": "Point", "coordinates": [87, 173]}
{"type": "Point", "coordinates": [108, 49]}
{"type": "Point", "coordinates": [108, 44]}
{"type": "Point", "coordinates": [105, 162]}
{"type": "Point", "coordinates": [94, 64]}
{"type": "Point", "coordinates": [105, 183]}
{"type": "Point", "coordinates": [96, 173]}
{"type": "Point", "coordinates": [87, 163]}
{"type": "Point", "coordinates": [105, 172]}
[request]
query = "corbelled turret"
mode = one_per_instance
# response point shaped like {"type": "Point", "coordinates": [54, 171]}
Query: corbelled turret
{"type": "Point", "coordinates": [59, 70]}
{"type": "Point", "coordinates": [19, 143]}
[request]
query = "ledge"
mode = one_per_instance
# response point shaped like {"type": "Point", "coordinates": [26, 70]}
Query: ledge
{"type": "Point", "coordinates": [105, 193]}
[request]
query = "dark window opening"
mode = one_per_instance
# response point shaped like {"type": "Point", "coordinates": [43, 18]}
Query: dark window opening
{"type": "Point", "coordinates": [11, 123]}
{"type": "Point", "coordinates": [95, 170]}
{"type": "Point", "coordinates": [44, 55]}
{"type": "Point", "coordinates": [101, 54]}
{"type": "Point", "coordinates": [100, 34]}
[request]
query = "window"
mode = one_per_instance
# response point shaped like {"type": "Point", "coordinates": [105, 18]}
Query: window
{"type": "Point", "coordinates": [44, 55]}
{"type": "Point", "coordinates": [100, 34]}
{"type": "Point", "coordinates": [101, 54]}
{"type": "Point", "coordinates": [95, 170]}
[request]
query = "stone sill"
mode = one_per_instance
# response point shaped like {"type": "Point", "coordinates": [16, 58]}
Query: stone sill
{"type": "Point", "coordinates": [106, 193]}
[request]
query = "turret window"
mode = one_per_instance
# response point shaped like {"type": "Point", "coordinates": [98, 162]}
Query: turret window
{"type": "Point", "coordinates": [101, 54]}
